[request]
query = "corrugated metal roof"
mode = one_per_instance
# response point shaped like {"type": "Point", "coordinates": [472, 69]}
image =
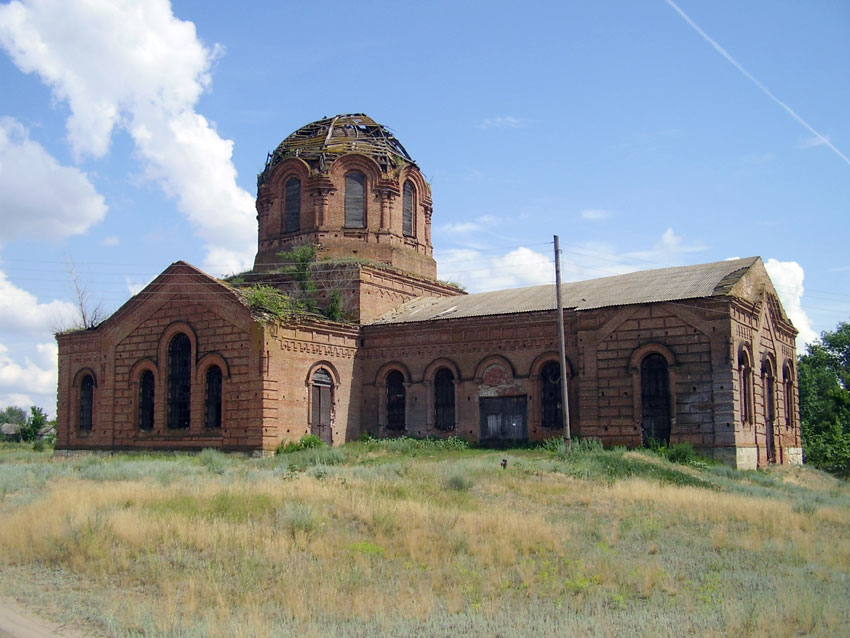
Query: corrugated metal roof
{"type": "Point", "coordinates": [645, 286]}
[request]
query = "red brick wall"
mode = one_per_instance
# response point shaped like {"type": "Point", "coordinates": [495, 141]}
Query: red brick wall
{"type": "Point", "coordinates": [323, 216]}
{"type": "Point", "coordinates": [221, 331]}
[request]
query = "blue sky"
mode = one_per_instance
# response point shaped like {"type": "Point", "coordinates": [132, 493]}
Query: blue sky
{"type": "Point", "coordinates": [644, 134]}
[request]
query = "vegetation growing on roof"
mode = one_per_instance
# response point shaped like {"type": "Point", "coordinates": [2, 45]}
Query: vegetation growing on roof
{"type": "Point", "coordinates": [270, 302]}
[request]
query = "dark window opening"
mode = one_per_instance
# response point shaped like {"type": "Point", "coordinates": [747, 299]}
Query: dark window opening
{"type": "Point", "coordinates": [146, 393]}
{"type": "Point", "coordinates": [769, 410]}
{"type": "Point", "coordinates": [444, 400]}
{"type": "Point", "coordinates": [550, 395]}
{"type": "Point", "coordinates": [86, 402]}
{"type": "Point", "coordinates": [355, 200]}
{"type": "Point", "coordinates": [407, 209]}
{"type": "Point", "coordinates": [322, 400]}
{"type": "Point", "coordinates": [179, 381]}
{"type": "Point", "coordinates": [788, 394]}
{"type": "Point", "coordinates": [395, 400]}
{"type": "Point", "coordinates": [213, 403]}
{"type": "Point", "coordinates": [292, 206]}
{"type": "Point", "coordinates": [655, 399]}
{"type": "Point", "coordinates": [503, 420]}
{"type": "Point", "coordinates": [745, 381]}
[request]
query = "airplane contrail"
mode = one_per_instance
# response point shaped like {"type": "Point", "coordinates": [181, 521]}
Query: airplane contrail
{"type": "Point", "coordinates": [820, 138]}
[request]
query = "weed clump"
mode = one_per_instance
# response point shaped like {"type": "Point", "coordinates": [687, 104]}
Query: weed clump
{"type": "Point", "coordinates": [213, 460]}
{"type": "Point", "coordinates": [307, 442]}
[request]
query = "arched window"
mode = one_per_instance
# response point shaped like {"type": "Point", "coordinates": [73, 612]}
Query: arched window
{"type": "Point", "coordinates": [407, 209]}
{"type": "Point", "coordinates": [179, 381]}
{"type": "Point", "coordinates": [146, 387]}
{"type": "Point", "coordinates": [745, 386]}
{"type": "Point", "coordinates": [395, 400]}
{"type": "Point", "coordinates": [86, 402]}
{"type": "Point", "coordinates": [768, 382]}
{"type": "Point", "coordinates": [444, 399]}
{"type": "Point", "coordinates": [321, 402]}
{"type": "Point", "coordinates": [355, 200]}
{"type": "Point", "coordinates": [551, 413]}
{"type": "Point", "coordinates": [212, 416]}
{"type": "Point", "coordinates": [292, 205]}
{"type": "Point", "coordinates": [655, 399]}
{"type": "Point", "coordinates": [788, 395]}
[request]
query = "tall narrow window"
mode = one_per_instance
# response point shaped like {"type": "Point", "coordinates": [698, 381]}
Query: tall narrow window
{"type": "Point", "coordinates": [788, 395]}
{"type": "Point", "coordinates": [407, 209]}
{"type": "Point", "coordinates": [395, 400]}
{"type": "Point", "coordinates": [146, 387]}
{"type": "Point", "coordinates": [444, 399]}
{"type": "Point", "coordinates": [86, 402]}
{"type": "Point", "coordinates": [745, 383]}
{"type": "Point", "coordinates": [655, 399]}
{"type": "Point", "coordinates": [550, 396]}
{"type": "Point", "coordinates": [355, 200]}
{"type": "Point", "coordinates": [212, 416]}
{"type": "Point", "coordinates": [320, 409]}
{"type": "Point", "coordinates": [769, 386]}
{"type": "Point", "coordinates": [179, 381]}
{"type": "Point", "coordinates": [292, 205]}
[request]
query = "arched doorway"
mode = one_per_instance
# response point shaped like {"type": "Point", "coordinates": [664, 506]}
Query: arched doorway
{"type": "Point", "coordinates": [655, 399]}
{"type": "Point", "coordinates": [395, 401]}
{"type": "Point", "coordinates": [321, 399]}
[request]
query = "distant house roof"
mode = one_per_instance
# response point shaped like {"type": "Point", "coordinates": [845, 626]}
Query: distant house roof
{"type": "Point", "coordinates": [645, 286]}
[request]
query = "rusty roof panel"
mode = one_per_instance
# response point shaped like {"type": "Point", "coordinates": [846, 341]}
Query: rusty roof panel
{"type": "Point", "coordinates": [644, 286]}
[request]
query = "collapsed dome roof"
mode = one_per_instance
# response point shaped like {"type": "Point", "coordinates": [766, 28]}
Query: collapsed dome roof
{"type": "Point", "coordinates": [321, 142]}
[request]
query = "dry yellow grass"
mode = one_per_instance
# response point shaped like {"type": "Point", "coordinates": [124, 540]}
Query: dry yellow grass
{"type": "Point", "coordinates": [256, 555]}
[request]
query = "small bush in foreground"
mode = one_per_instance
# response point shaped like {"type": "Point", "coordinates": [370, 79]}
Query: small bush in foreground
{"type": "Point", "coordinates": [307, 442]}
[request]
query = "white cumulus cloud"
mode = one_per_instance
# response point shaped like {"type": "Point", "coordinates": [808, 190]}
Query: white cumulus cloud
{"type": "Point", "coordinates": [41, 198]}
{"type": "Point", "coordinates": [36, 376]}
{"type": "Point", "coordinates": [481, 273]}
{"type": "Point", "coordinates": [132, 64]}
{"type": "Point", "coordinates": [787, 277]}
{"type": "Point", "coordinates": [22, 314]}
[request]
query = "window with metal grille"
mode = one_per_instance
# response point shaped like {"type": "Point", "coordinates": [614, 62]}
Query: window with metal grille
{"type": "Point", "coordinates": [179, 381]}
{"type": "Point", "coordinates": [292, 205]}
{"type": "Point", "coordinates": [212, 416]}
{"type": "Point", "coordinates": [407, 209]}
{"type": "Point", "coordinates": [395, 400]}
{"type": "Point", "coordinates": [444, 399]}
{"type": "Point", "coordinates": [146, 389]}
{"type": "Point", "coordinates": [768, 384]}
{"type": "Point", "coordinates": [322, 398]}
{"type": "Point", "coordinates": [355, 200]}
{"type": "Point", "coordinates": [788, 395]}
{"type": "Point", "coordinates": [655, 399]}
{"type": "Point", "coordinates": [86, 402]}
{"type": "Point", "coordinates": [745, 382]}
{"type": "Point", "coordinates": [550, 396]}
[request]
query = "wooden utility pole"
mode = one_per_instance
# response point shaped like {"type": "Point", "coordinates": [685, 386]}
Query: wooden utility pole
{"type": "Point", "coordinates": [565, 404]}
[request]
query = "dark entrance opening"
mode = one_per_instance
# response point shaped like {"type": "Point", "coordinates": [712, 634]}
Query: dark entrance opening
{"type": "Point", "coordinates": [395, 400]}
{"type": "Point", "coordinates": [322, 399]}
{"type": "Point", "coordinates": [655, 400]}
{"type": "Point", "coordinates": [503, 420]}
{"type": "Point", "coordinates": [444, 400]}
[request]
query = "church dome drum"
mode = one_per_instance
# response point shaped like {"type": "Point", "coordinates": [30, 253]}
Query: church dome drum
{"type": "Point", "coordinates": [347, 185]}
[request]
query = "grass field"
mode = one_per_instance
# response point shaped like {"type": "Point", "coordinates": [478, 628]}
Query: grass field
{"type": "Point", "coordinates": [410, 538]}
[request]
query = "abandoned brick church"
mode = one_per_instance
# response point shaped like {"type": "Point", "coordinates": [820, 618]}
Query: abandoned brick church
{"type": "Point", "coordinates": [703, 354]}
